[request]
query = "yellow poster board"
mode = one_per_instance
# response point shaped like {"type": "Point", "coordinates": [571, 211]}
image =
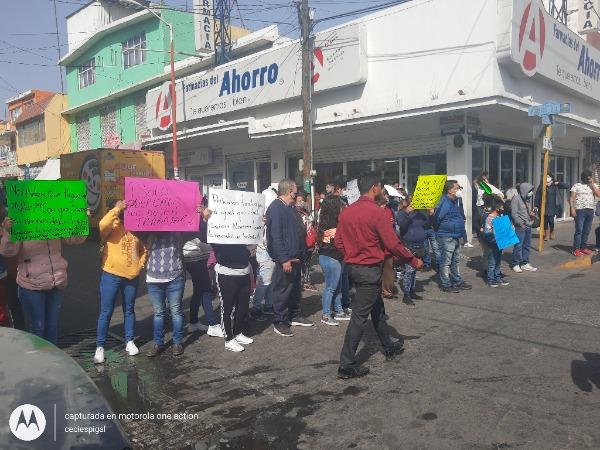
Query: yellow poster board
{"type": "Point", "coordinates": [428, 191]}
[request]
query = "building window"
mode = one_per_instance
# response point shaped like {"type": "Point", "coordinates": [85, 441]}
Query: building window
{"type": "Point", "coordinates": [31, 132]}
{"type": "Point", "coordinates": [82, 126]}
{"type": "Point", "coordinates": [87, 73]}
{"type": "Point", "coordinates": [108, 125]}
{"type": "Point", "coordinates": [134, 51]}
{"type": "Point", "coordinates": [15, 113]}
{"type": "Point", "coordinates": [141, 127]}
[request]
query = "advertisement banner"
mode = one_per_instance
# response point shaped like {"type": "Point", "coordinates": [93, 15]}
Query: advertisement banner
{"type": "Point", "coordinates": [339, 60]}
{"type": "Point", "coordinates": [542, 46]}
{"type": "Point", "coordinates": [47, 209]}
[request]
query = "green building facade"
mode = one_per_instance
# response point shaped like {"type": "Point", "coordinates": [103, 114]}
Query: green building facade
{"type": "Point", "coordinates": [108, 76]}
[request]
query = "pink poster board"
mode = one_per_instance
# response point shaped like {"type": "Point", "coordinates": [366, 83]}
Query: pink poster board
{"type": "Point", "coordinates": [161, 205]}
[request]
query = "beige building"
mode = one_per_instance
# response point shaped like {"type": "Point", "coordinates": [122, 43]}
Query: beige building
{"type": "Point", "coordinates": [42, 132]}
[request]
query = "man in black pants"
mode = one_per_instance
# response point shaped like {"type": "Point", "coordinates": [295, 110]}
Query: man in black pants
{"type": "Point", "coordinates": [363, 234]}
{"type": "Point", "coordinates": [286, 237]}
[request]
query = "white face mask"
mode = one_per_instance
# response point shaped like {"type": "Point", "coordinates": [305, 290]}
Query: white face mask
{"type": "Point", "coordinates": [529, 195]}
{"type": "Point", "coordinates": [459, 193]}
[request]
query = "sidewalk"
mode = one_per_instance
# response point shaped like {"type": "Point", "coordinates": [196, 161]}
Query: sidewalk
{"type": "Point", "coordinates": [514, 367]}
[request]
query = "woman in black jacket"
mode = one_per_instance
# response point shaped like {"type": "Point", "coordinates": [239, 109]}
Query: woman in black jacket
{"type": "Point", "coordinates": [554, 203]}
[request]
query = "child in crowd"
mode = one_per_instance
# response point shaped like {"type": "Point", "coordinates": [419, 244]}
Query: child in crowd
{"type": "Point", "coordinates": [494, 276]}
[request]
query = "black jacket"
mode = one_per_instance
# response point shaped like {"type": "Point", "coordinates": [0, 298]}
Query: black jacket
{"type": "Point", "coordinates": [286, 235]}
{"type": "Point", "coordinates": [234, 256]}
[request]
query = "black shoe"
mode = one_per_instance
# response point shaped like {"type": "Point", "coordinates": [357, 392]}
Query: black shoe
{"type": "Point", "coordinates": [283, 329]}
{"type": "Point", "coordinates": [464, 286]}
{"type": "Point", "coordinates": [155, 351]}
{"type": "Point", "coordinates": [452, 289]}
{"type": "Point", "coordinates": [414, 296]}
{"type": "Point", "coordinates": [407, 300]}
{"type": "Point", "coordinates": [177, 350]}
{"type": "Point", "coordinates": [345, 373]}
{"type": "Point", "coordinates": [390, 355]}
{"type": "Point", "coordinates": [257, 315]}
{"type": "Point", "coordinates": [299, 322]}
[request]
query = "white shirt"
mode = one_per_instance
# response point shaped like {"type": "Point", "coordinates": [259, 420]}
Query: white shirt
{"type": "Point", "coordinates": [584, 196]}
{"type": "Point", "coordinates": [224, 270]}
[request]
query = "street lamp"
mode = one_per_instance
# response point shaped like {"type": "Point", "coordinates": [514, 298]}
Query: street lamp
{"type": "Point", "coordinates": [173, 95]}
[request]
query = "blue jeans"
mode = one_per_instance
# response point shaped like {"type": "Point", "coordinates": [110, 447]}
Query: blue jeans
{"type": "Point", "coordinates": [583, 225]}
{"type": "Point", "coordinates": [520, 255]}
{"type": "Point", "coordinates": [410, 279]}
{"type": "Point", "coordinates": [345, 286]}
{"type": "Point", "coordinates": [110, 286]}
{"type": "Point", "coordinates": [494, 261]}
{"type": "Point", "coordinates": [171, 293]}
{"type": "Point", "coordinates": [263, 281]}
{"type": "Point", "coordinates": [42, 310]}
{"type": "Point", "coordinates": [449, 269]}
{"type": "Point", "coordinates": [332, 270]}
{"type": "Point", "coordinates": [435, 249]}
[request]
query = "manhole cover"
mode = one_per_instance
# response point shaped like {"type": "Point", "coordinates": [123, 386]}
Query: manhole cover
{"type": "Point", "coordinates": [82, 344]}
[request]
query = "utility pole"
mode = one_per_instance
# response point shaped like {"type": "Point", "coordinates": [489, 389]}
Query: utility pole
{"type": "Point", "coordinates": [304, 17]}
{"type": "Point", "coordinates": [547, 147]}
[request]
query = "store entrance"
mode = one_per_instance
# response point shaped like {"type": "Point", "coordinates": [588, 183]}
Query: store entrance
{"type": "Point", "coordinates": [507, 165]}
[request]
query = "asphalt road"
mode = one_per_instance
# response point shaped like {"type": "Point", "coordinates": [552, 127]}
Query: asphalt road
{"type": "Point", "coordinates": [513, 367]}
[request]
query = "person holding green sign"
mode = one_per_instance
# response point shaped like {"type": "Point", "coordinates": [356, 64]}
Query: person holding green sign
{"type": "Point", "coordinates": [41, 279]}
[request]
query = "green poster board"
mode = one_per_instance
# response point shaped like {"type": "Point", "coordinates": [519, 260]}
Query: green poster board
{"type": "Point", "coordinates": [47, 209]}
{"type": "Point", "coordinates": [428, 191]}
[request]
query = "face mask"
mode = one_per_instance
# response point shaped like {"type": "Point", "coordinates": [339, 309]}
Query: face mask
{"type": "Point", "coordinates": [459, 193]}
{"type": "Point", "coordinates": [530, 195]}
{"type": "Point", "coordinates": [300, 204]}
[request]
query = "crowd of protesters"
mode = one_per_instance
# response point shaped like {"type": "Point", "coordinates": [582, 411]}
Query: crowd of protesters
{"type": "Point", "coordinates": [375, 244]}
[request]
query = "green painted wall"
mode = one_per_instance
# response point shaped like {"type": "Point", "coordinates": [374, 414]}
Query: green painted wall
{"type": "Point", "coordinates": [111, 76]}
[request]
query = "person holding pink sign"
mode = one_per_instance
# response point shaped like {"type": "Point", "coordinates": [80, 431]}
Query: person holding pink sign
{"type": "Point", "coordinates": [165, 280]}
{"type": "Point", "coordinates": [123, 258]}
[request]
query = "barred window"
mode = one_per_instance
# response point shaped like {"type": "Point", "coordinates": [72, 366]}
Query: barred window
{"type": "Point", "coordinates": [83, 132]}
{"type": "Point", "coordinates": [31, 132]}
{"type": "Point", "coordinates": [134, 51]}
{"type": "Point", "coordinates": [87, 73]}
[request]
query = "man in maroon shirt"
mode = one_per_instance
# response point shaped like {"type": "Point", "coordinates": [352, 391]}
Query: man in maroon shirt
{"type": "Point", "coordinates": [363, 234]}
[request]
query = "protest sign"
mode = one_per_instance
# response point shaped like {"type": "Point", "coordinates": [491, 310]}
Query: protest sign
{"type": "Point", "coordinates": [161, 205]}
{"type": "Point", "coordinates": [428, 191]}
{"type": "Point", "coordinates": [352, 192]}
{"type": "Point", "coordinates": [47, 209]}
{"type": "Point", "coordinates": [504, 232]}
{"type": "Point", "coordinates": [237, 217]}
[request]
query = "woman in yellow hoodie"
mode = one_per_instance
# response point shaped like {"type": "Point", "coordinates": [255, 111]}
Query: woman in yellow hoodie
{"type": "Point", "coordinates": [123, 258]}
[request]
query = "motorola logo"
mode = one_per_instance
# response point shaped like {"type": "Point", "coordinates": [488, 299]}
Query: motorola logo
{"type": "Point", "coordinates": [27, 422]}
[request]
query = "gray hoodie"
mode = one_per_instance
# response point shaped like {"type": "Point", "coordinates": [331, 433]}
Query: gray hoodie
{"type": "Point", "coordinates": [519, 209]}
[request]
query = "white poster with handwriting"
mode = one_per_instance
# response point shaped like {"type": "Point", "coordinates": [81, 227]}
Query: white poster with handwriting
{"type": "Point", "coordinates": [352, 192]}
{"type": "Point", "coordinates": [237, 217]}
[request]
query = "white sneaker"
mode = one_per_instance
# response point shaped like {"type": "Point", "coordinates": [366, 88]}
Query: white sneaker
{"type": "Point", "coordinates": [468, 245]}
{"type": "Point", "coordinates": [517, 269]}
{"type": "Point", "coordinates": [233, 346]}
{"type": "Point", "coordinates": [215, 331]}
{"type": "Point", "coordinates": [99, 355]}
{"type": "Point", "coordinates": [194, 327]}
{"type": "Point", "coordinates": [245, 340]}
{"type": "Point", "coordinates": [131, 348]}
{"type": "Point", "coordinates": [528, 267]}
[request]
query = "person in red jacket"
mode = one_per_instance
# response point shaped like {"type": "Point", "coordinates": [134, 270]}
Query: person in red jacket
{"type": "Point", "coordinates": [363, 236]}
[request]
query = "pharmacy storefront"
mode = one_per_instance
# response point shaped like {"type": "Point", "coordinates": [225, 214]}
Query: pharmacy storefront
{"type": "Point", "coordinates": [450, 97]}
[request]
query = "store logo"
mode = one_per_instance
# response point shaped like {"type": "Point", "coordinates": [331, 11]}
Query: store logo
{"type": "Point", "coordinates": [318, 58]}
{"type": "Point", "coordinates": [532, 38]}
{"type": "Point", "coordinates": [27, 422]}
{"type": "Point", "coordinates": [163, 107]}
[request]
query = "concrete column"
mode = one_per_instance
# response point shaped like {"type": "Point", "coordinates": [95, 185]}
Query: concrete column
{"type": "Point", "coordinates": [277, 164]}
{"type": "Point", "coordinates": [459, 163]}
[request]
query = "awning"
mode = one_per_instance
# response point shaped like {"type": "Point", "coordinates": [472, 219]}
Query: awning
{"type": "Point", "coordinates": [50, 171]}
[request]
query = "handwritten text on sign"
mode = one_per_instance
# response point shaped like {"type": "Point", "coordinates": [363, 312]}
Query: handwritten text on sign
{"type": "Point", "coordinates": [428, 191]}
{"type": "Point", "coordinates": [161, 205]}
{"type": "Point", "coordinates": [47, 209]}
{"type": "Point", "coordinates": [237, 217]}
